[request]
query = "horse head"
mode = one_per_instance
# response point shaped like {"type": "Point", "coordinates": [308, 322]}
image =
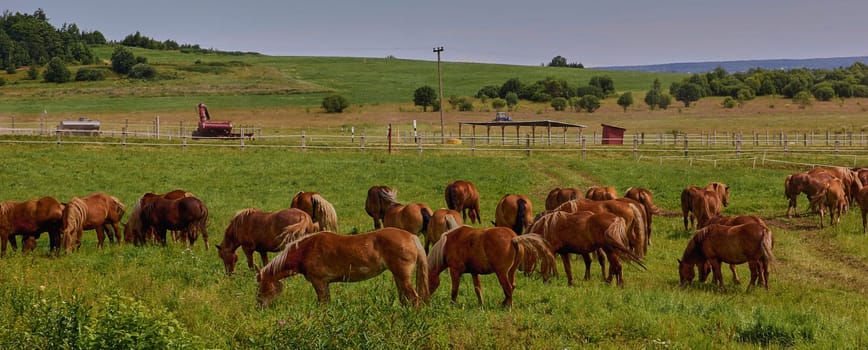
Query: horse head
{"type": "Point", "coordinates": [229, 257]}
{"type": "Point", "coordinates": [686, 272]}
{"type": "Point", "coordinates": [268, 289]}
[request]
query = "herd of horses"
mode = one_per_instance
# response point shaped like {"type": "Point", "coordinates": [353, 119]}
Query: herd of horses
{"type": "Point", "coordinates": [596, 223]}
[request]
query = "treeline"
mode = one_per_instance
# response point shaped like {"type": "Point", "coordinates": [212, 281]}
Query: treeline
{"type": "Point", "coordinates": [821, 84]}
{"type": "Point", "coordinates": [27, 39]}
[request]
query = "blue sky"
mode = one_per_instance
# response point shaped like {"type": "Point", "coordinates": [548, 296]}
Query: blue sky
{"type": "Point", "coordinates": [595, 33]}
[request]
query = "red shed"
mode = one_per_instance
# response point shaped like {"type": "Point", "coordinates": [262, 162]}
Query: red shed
{"type": "Point", "coordinates": [613, 135]}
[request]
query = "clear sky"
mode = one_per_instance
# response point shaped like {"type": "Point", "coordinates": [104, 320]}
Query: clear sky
{"type": "Point", "coordinates": [595, 33]}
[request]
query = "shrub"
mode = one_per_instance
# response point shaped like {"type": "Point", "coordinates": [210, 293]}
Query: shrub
{"type": "Point", "coordinates": [56, 71]}
{"type": "Point", "coordinates": [488, 91]}
{"type": "Point", "coordinates": [11, 70]}
{"type": "Point", "coordinates": [823, 92]}
{"type": "Point", "coordinates": [860, 90]}
{"type": "Point", "coordinates": [465, 104]}
{"type": "Point", "coordinates": [511, 100]}
{"type": "Point", "coordinates": [589, 103]}
{"type": "Point", "coordinates": [2, 81]}
{"type": "Point", "coordinates": [89, 74]}
{"type": "Point", "coordinates": [559, 103]}
{"type": "Point", "coordinates": [803, 99]}
{"type": "Point", "coordinates": [729, 102]}
{"type": "Point", "coordinates": [143, 71]}
{"type": "Point", "coordinates": [125, 323]}
{"type": "Point", "coordinates": [498, 103]}
{"type": "Point", "coordinates": [123, 60]}
{"type": "Point", "coordinates": [33, 72]}
{"type": "Point", "coordinates": [335, 104]}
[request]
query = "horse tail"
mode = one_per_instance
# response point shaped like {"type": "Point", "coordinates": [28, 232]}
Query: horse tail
{"type": "Point", "coordinates": [614, 238]}
{"type": "Point", "coordinates": [324, 213]}
{"type": "Point", "coordinates": [518, 226]}
{"type": "Point", "coordinates": [200, 224]}
{"type": "Point", "coordinates": [639, 223]}
{"type": "Point", "coordinates": [450, 197]}
{"type": "Point", "coordinates": [537, 250]}
{"type": "Point", "coordinates": [120, 208]}
{"type": "Point", "coordinates": [426, 218]}
{"type": "Point", "coordinates": [134, 223]}
{"type": "Point", "coordinates": [421, 271]}
{"type": "Point", "coordinates": [767, 245]}
{"type": "Point", "coordinates": [76, 213]}
{"type": "Point", "coordinates": [451, 223]}
{"type": "Point", "coordinates": [293, 232]}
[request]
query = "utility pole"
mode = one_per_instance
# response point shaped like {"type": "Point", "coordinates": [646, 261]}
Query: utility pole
{"type": "Point", "coordinates": [438, 50]}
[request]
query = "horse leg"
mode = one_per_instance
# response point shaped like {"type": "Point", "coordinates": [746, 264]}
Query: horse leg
{"type": "Point", "coordinates": [263, 255]}
{"type": "Point", "coordinates": [404, 284]}
{"type": "Point", "coordinates": [456, 279]}
{"type": "Point", "coordinates": [322, 291]}
{"type": "Point", "coordinates": [568, 268]}
{"type": "Point", "coordinates": [735, 278]}
{"type": "Point", "coordinates": [508, 288]}
{"type": "Point", "coordinates": [477, 287]}
{"type": "Point", "coordinates": [717, 276]}
{"type": "Point", "coordinates": [864, 222]}
{"type": "Point", "coordinates": [5, 239]}
{"type": "Point", "coordinates": [248, 253]}
{"type": "Point", "coordinates": [100, 236]}
{"type": "Point", "coordinates": [754, 273]}
{"type": "Point", "coordinates": [615, 269]}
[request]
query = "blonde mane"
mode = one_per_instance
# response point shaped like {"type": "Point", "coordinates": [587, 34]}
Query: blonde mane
{"type": "Point", "coordinates": [5, 210]}
{"type": "Point", "coordinates": [76, 213]}
{"type": "Point", "coordinates": [325, 213]}
{"type": "Point", "coordinates": [275, 265]}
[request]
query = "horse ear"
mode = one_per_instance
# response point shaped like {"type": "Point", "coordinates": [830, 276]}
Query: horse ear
{"type": "Point", "coordinates": [218, 246]}
{"type": "Point", "coordinates": [678, 260]}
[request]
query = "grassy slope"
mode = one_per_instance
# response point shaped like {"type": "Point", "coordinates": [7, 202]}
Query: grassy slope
{"type": "Point", "coordinates": [817, 298]}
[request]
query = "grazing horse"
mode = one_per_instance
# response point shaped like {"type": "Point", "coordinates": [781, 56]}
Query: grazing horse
{"type": "Point", "coordinates": [703, 203]}
{"type": "Point", "coordinates": [463, 197]}
{"type": "Point", "coordinates": [257, 231]}
{"type": "Point", "coordinates": [514, 211]}
{"type": "Point", "coordinates": [326, 257]}
{"type": "Point", "coordinates": [601, 193]}
{"type": "Point", "coordinates": [189, 215]}
{"type": "Point", "coordinates": [862, 174]}
{"type": "Point", "coordinates": [440, 223]}
{"type": "Point", "coordinates": [644, 197]}
{"type": "Point", "coordinates": [715, 244]}
{"type": "Point", "coordinates": [862, 199]}
{"type": "Point", "coordinates": [495, 250]}
{"type": "Point", "coordinates": [834, 200]}
{"type": "Point", "coordinates": [320, 210]}
{"type": "Point", "coordinates": [413, 217]}
{"type": "Point", "coordinates": [138, 237]}
{"type": "Point", "coordinates": [811, 184]}
{"type": "Point", "coordinates": [585, 232]}
{"type": "Point", "coordinates": [559, 196]}
{"type": "Point", "coordinates": [97, 211]}
{"type": "Point", "coordinates": [30, 219]}
{"type": "Point", "coordinates": [380, 198]}
{"type": "Point", "coordinates": [631, 212]}
{"type": "Point", "coordinates": [734, 220]}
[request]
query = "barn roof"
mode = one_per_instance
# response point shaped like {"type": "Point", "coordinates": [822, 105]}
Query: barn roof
{"type": "Point", "coordinates": [545, 123]}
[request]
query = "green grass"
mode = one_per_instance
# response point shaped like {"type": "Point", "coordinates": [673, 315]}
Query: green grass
{"type": "Point", "coordinates": [257, 81]}
{"type": "Point", "coordinates": [170, 297]}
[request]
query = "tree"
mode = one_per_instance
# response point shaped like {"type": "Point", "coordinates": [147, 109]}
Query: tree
{"type": "Point", "coordinates": [56, 71]}
{"type": "Point", "coordinates": [123, 60]}
{"type": "Point", "coordinates": [490, 91]}
{"type": "Point", "coordinates": [803, 99]}
{"type": "Point", "coordinates": [335, 104]}
{"type": "Point", "coordinates": [424, 96]}
{"type": "Point", "coordinates": [511, 100]}
{"type": "Point", "coordinates": [653, 96]}
{"type": "Point", "coordinates": [559, 103]}
{"type": "Point", "coordinates": [558, 61]}
{"type": "Point", "coordinates": [589, 103]}
{"type": "Point", "coordinates": [824, 91]}
{"type": "Point", "coordinates": [625, 100]}
{"type": "Point", "coordinates": [511, 85]}
{"type": "Point", "coordinates": [688, 93]}
{"type": "Point", "coordinates": [605, 83]}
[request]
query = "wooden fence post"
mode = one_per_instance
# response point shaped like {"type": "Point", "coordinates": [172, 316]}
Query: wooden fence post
{"type": "Point", "coordinates": [635, 147]}
{"type": "Point", "coordinates": [303, 141]}
{"type": "Point", "coordinates": [584, 149]}
{"type": "Point", "coordinates": [527, 144]}
{"type": "Point", "coordinates": [685, 146]}
{"type": "Point", "coordinates": [362, 141]}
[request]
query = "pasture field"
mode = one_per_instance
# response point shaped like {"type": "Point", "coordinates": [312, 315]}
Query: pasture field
{"type": "Point", "coordinates": [156, 297]}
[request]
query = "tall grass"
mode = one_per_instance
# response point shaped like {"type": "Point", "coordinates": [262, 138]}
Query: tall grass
{"type": "Point", "coordinates": [171, 297]}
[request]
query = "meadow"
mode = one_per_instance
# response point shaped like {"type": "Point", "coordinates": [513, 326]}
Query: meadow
{"type": "Point", "coordinates": [170, 297]}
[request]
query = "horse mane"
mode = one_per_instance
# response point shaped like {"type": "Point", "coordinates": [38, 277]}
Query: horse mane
{"type": "Point", "coordinates": [451, 223]}
{"type": "Point", "coordinates": [135, 221]}
{"type": "Point", "coordinates": [390, 195]}
{"type": "Point", "coordinates": [238, 220]}
{"type": "Point", "coordinates": [5, 209]}
{"type": "Point", "coordinates": [120, 208]}
{"type": "Point", "coordinates": [547, 221]}
{"type": "Point", "coordinates": [275, 265]}
{"type": "Point", "coordinates": [294, 232]}
{"type": "Point", "coordinates": [695, 242]}
{"type": "Point", "coordinates": [437, 255]}
{"type": "Point", "coordinates": [324, 213]}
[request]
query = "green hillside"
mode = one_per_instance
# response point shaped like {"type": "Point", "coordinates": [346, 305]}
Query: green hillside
{"type": "Point", "coordinates": [258, 81]}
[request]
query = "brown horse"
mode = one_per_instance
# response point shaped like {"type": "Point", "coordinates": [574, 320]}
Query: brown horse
{"type": "Point", "coordinates": [632, 213]}
{"type": "Point", "coordinates": [862, 199]}
{"type": "Point", "coordinates": [30, 219]}
{"type": "Point", "coordinates": [811, 184]}
{"type": "Point", "coordinates": [733, 220]}
{"type": "Point", "coordinates": [601, 193]}
{"type": "Point", "coordinates": [441, 222]}
{"type": "Point", "coordinates": [327, 257]}
{"type": "Point", "coordinates": [413, 217]}
{"type": "Point", "coordinates": [320, 210]}
{"type": "Point", "coordinates": [257, 231]}
{"type": "Point", "coordinates": [559, 196]}
{"type": "Point", "coordinates": [585, 232]}
{"type": "Point", "coordinates": [380, 198]}
{"type": "Point", "coordinates": [189, 215]}
{"type": "Point", "coordinates": [703, 203]}
{"type": "Point", "coordinates": [97, 211]}
{"type": "Point", "coordinates": [463, 197]}
{"type": "Point", "coordinates": [850, 181]}
{"type": "Point", "coordinates": [644, 197]}
{"type": "Point", "coordinates": [484, 251]}
{"type": "Point", "coordinates": [715, 244]}
{"type": "Point", "coordinates": [514, 211]}
{"type": "Point", "coordinates": [834, 200]}
{"type": "Point", "coordinates": [130, 236]}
